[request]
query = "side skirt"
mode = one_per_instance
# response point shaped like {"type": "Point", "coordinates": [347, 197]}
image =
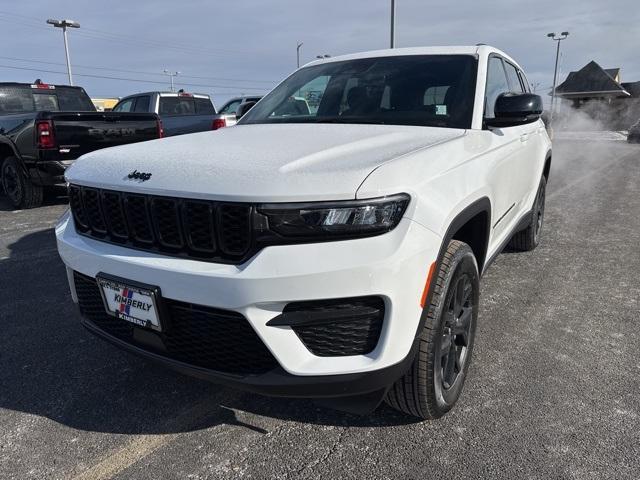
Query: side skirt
{"type": "Point", "coordinates": [521, 225]}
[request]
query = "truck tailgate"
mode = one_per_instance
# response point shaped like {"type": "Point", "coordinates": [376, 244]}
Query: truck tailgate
{"type": "Point", "coordinates": [78, 133]}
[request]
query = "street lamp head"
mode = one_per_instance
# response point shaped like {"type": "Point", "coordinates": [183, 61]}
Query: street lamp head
{"type": "Point", "coordinates": [63, 23]}
{"type": "Point", "coordinates": [551, 35]}
{"type": "Point", "coordinates": [566, 34]}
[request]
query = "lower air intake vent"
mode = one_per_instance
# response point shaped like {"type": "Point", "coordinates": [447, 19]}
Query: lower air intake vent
{"type": "Point", "coordinates": [336, 328]}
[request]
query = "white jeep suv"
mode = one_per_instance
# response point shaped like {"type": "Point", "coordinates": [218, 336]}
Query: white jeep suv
{"type": "Point", "coordinates": [328, 246]}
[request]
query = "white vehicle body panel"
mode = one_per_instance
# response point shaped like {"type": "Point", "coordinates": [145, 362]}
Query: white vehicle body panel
{"type": "Point", "coordinates": [329, 164]}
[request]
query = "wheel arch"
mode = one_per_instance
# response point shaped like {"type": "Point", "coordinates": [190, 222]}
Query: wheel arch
{"type": "Point", "coordinates": [7, 149]}
{"type": "Point", "coordinates": [471, 226]}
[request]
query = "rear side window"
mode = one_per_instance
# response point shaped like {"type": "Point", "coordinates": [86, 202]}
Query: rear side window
{"type": "Point", "coordinates": [514, 78]}
{"type": "Point", "coordinates": [204, 106]}
{"type": "Point", "coordinates": [142, 104]}
{"type": "Point", "coordinates": [496, 84]}
{"type": "Point", "coordinates": [177, 106]}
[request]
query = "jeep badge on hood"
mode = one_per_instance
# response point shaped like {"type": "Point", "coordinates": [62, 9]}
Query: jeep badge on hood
{"type": "Point", "coordinates": [136, 175]}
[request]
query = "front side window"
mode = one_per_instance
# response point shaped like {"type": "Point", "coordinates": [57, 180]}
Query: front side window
{"type": "Point", "coordinates": [496, 85]}
{"type": "Point", "coordinates": [125, 105]}
{"type": "Point", "coordinates": [231, 107]}
{"type": "Point", "coordinates": [514, 78]}
{"type": "Point", "coordinates": [424, 90]}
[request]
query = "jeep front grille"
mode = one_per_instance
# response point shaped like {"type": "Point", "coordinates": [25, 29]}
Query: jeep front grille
{"type": "Point", "coordinates": [212, 231]}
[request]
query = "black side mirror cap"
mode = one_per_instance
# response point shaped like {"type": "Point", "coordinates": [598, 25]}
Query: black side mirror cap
{"type": "Point", "coordinates": [513, 109]}
{"type": "Point", "coordinates": [244, 108]}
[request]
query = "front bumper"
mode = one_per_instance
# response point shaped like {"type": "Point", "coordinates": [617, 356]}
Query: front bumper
{"type": "Point", "coordinates": [393, 266]}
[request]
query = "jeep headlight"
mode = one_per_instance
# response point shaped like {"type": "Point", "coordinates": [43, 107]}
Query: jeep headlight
{"type": "Point", "coordinates": [341, 219]}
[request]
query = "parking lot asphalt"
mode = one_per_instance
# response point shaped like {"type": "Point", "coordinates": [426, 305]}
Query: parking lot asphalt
{"type": "Point", "coordinates": [553, 390]}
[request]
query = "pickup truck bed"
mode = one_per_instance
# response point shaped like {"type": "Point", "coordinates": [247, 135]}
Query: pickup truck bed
{"type": "Point", "coordinates": [36, 146]}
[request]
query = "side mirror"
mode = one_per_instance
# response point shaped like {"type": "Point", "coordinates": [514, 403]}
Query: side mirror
{"type": "Point", "coordinates": [244, 108]}
{"type": "Point", "coordinates": [513, 109]}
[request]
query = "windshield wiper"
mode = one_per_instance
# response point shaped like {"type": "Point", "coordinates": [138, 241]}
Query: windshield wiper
{"type": "Point", "coordinates": [349, 120]}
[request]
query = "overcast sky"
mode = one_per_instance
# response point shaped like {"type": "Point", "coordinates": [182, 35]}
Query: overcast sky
{"type": "Point", "coordinates": [245, 46]}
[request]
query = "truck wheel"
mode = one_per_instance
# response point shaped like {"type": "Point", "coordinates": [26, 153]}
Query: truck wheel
{"type": "Point", "coordinates": [529, 238]}
{"type": "Point", "coordinates": [434, 382]}
{"type": "Point", "coordinates": [20, 191]}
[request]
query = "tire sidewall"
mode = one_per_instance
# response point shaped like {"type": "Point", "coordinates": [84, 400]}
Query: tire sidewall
{"type": "Point", "coordinates": [463, 262]}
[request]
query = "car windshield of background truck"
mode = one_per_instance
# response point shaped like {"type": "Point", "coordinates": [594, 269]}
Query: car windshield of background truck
{"type": "Point", "coordinates": [429, 90]}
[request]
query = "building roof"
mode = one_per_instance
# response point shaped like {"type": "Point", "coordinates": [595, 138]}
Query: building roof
{"type": "Point", "coordinates": [591, 80]}
{"type": "Point", "coordinates": [632, 87]}
{"type": "Point", "coordinates": [613, 73]}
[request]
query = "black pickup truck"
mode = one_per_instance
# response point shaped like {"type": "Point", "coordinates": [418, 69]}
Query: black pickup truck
{"type": "Point", "coordinates": [44, 128]}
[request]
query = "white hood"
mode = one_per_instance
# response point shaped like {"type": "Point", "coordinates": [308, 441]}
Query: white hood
{"type": "Point", "coordinates": [267, 162]}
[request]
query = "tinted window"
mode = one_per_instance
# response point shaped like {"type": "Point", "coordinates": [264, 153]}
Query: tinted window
{"type": "Point", "coordinates": [231, 107]}
{"type": "Point", "coordinates": [125, 105]}
{"type": "Point", "coordinates": [74, 100]}
{"type": "Point", "coordinates": [46, 102]}
{"type": "Point", "coordinates": [496, 84]}
{"type": "Point", "coordinates": [15, 100]}
{"type": "Point", "coordinates": [430, 90]}
{"type": "Point", "coordinates": [514, 79]}
{"type": "Point", "coordinates": [177, 106]}
{"type": "Point", "coordinates": [204, 106]}
{"type": "Point", "coordinates": [142, 104]}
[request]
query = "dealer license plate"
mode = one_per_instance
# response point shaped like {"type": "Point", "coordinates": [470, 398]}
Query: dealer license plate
{"type": "Point", "coordinates": [130, 303]}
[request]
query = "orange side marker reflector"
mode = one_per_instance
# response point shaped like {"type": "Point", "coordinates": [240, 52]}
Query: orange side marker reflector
{"type": "Point", "coordinates": [432, 269]}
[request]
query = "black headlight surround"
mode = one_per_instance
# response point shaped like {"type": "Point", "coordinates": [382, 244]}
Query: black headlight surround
{"type": "Point", "coordinates": [283, 222]}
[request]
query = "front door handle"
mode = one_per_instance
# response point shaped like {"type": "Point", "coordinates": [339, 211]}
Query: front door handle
{"type": "Point", "coordinates": [524, 137]}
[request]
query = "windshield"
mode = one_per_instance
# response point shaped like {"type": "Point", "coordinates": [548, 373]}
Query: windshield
{"type": "Point", "coordinates": [426, 90]}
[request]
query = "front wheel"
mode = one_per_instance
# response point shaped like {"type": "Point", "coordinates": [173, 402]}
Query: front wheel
{"type": "Point", "coordinates": [434, 382]}
{"type": "Point", "coordinates": [20, 191]}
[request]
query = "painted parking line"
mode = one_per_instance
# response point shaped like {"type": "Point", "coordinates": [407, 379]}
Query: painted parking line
{"type": "Point", "coordinates": [141, 446]}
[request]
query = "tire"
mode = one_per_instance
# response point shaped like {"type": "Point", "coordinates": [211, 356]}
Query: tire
{"type": "Point", "coordinates": [529, 238]}
{"type": "Point", "coordinates": [18, 189]}
{"type": "Point", "coordinates": [430, 389]}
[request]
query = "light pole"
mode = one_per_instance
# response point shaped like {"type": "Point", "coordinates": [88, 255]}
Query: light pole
{"type": "Point", "coordinates": [299, 45]}
{"type": "Point", "coordinates": [171, 75]}
{"type": "Point", "coordinates": [557, 39]}
{"type": "Point", "coordinates": [64, 24]}
{"type": "Point", "coordinates": [393, 24]}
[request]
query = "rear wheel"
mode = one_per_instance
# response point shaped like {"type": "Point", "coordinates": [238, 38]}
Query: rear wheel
{"type": "Point", "coordinates": [434, 382]}
{"type": "Point", "coordinates": [529, 238]}
{"type": "Point", "coordinates": [20, 191]}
